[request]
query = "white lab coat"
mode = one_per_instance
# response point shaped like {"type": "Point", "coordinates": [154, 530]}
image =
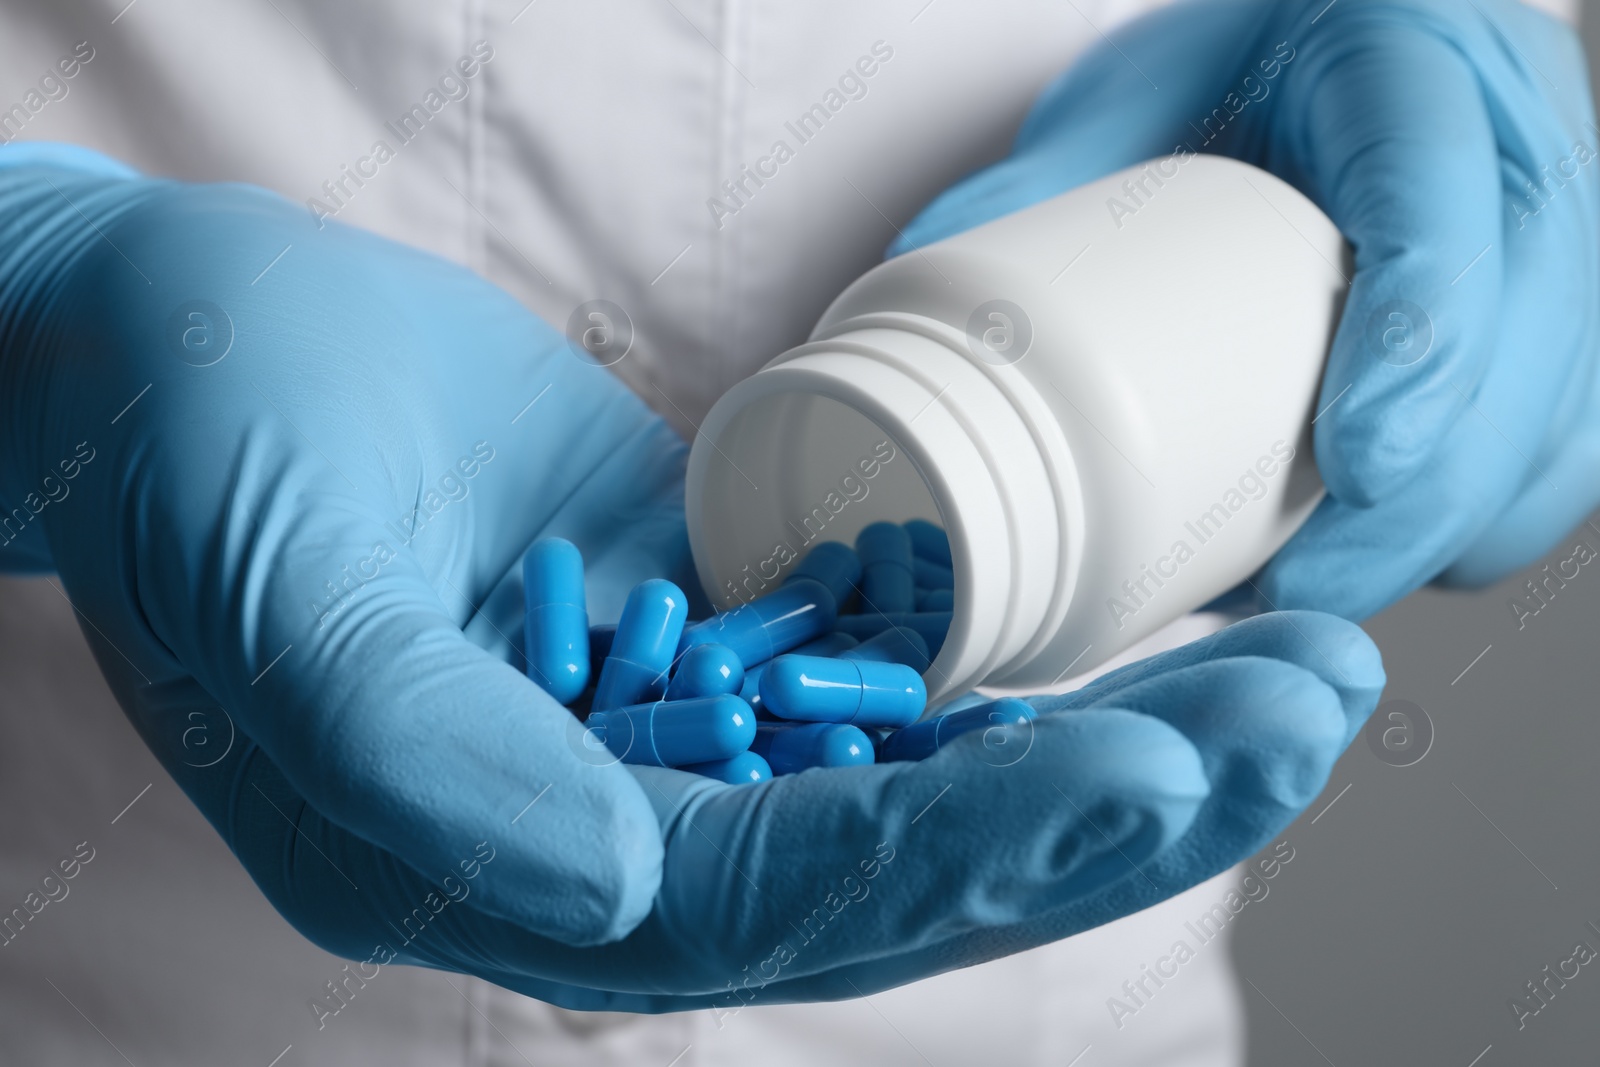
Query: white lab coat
{"type": "Point", "coordinates": [584, 157]}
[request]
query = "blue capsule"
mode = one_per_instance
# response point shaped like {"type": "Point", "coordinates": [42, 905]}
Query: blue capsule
{"type": "Point", "coordinates": [923, 739]}
{"type": "Point", "coordinates": [936, 600]}
{"type": "Point", "coordinates": [678, 732]}
{"type": "Point", "coordinates": [928, 575]}
{"type": "Point", "coordinates": [706, 671]}
{"type": "Point", "coordinates": [796, 612]}
{"type": "Point", "coordinates": [815, 689]}
{"type": "Point", "coordinates": [929, 542]}
{"type": "Point", "coordinates": [894, 645]}
{"type": "Point", "coordinates": [555, 636]}
{"type": "Point", "coordinates": [792, 747]}
{"type": "Point", "coordinates": [834, 644]}
{"type": "Point", "coordinates": [834, 565]}
{"type": "Point", "coordinates": [646, 643]}
{"type": "Point", "coordinates": [887, 582]}
{"type": "Point", "coordinates": [932, 626]}
{"type": "Point", "coordinates": [746, 768]}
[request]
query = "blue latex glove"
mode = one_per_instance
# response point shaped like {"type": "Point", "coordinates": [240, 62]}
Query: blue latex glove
{"type": "Point", "coordinates": [395, 786]}
{"type": "Point", "coordinates": [1416, 125]}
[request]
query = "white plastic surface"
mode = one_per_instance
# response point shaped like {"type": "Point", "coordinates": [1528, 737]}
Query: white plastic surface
{"type": "Point", "coordinates": [1147, 449]}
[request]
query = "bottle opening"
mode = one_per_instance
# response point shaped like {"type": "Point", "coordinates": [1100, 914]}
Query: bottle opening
{"type": "Point", "coordinates": [836, 436]}
{"type": "Point", "coordinates": [798, 469]}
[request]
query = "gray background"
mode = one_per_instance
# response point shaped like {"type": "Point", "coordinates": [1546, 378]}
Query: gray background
{"type": "Point", "coordinates": [1409, 918]}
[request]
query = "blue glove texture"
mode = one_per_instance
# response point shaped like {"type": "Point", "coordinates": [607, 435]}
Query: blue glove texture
{"type": "Point", "coordinates": [286, 475]}
{"type": "Point", "coordinates": [1455, 146]}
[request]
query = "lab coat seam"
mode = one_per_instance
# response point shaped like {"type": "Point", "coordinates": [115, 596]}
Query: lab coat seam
{"type": "Point", "coordinates": [468, 1029]}
{"type": "Point", "coordinates": [718, 293]}
{"type": "Point", "coordinates": [474, 150]}
{"type": "Point", "coordinates": [730, 307]}
{"type": "Point", "coordinates": [478, 1044]}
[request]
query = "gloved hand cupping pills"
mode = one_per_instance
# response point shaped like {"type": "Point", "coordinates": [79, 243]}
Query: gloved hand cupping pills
{"type": "Point", "coordinates": [690, 698]}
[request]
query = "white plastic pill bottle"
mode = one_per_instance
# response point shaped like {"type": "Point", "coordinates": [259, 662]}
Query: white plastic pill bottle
{"type": "Point", "coordinates": [1105, 399]}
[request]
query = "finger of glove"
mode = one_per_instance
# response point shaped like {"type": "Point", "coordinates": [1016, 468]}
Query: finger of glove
{"type": "Point", "coordinates": [992, 829]}
{"type": "Point", "coordinates": [1103, 114]}
{"type": "Point", "coordinates": [390, 722]}
{"type": "Point", "coordinates": [362, 902]}
{"type": "Point", "coordinates": [367, 693]}
{"type": "Point", "coordinates": [1356, 561]}
{"type": "Point", "coordinates": [1558, 487]}
{"type": "Point", "coordinates": [1542, 518]}
{"type": "Point", "coordinates": [1554, 255]}
{"type": "Point", "coordinates": [344, 893]}
{"type": "Point", "coordinates": [1268, 731]}
{"type": "Point", "coordinates": [1337, 652]}
{"type": "Point", "coordinates": [848, 864]}
{"type": "Point", "coordinates": [1384, 123]}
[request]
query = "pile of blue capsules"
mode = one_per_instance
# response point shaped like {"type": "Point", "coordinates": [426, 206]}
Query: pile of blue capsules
{"type": "Point", "coordinates": [824, 671]}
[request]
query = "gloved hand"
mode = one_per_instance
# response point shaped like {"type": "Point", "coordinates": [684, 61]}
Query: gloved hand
{"type": "Point", "coordinates": [286, 475]}
{"type": "Point", "coordinates": [1461, 441]}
